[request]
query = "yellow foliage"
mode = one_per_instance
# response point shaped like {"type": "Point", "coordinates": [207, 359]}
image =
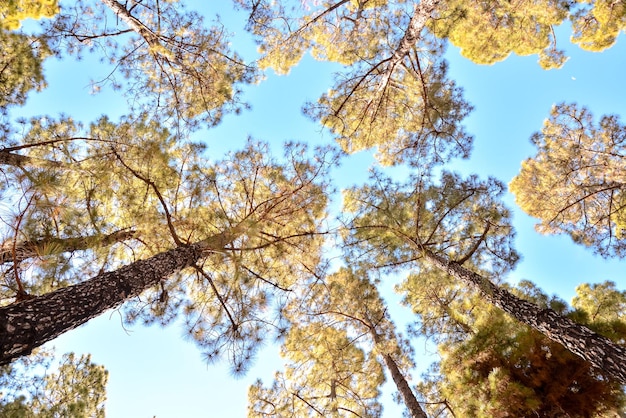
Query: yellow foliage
{"type": "Point", "coordinates": [13, 12]}
{"type": "Point", "coordinates": [489, 31]}
{"type": "Point", "coordinates": [598, 27]}
{"type": "Point", "coordinates": [575, 182]}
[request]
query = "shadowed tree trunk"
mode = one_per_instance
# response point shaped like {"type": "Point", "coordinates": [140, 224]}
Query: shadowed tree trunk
{"type": "Point", "coordinates": [410, 401]}
{"type": "Point", "coordinates": [29, 324]}
{"type": "Point", "coordinates": [599, 351]}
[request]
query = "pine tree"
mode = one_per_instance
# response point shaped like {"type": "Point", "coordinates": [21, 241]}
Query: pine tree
{"type": "Point", "coordinates": [230, 245]}
{"type": "Point", "coordinates": [575, 183]}
{"type": "Point", "coordinates": [344, 315]}
{"type": "Point", "coordinates": [598, 23]}
{"type": "Point", "coordinates": [489, 31]}
{"type": "Point", "coordinates": [492, 365]}
{"type": "Point", "coordinates": [75, 388]}
{"type": "Point", "coordinates": [166, 59]}
{"type": "Point", "coordinates": [327, 375]}
{"type": "Point", "coordinates": [20, 68]}
{"type": "Point", "coordinates": [459, 228]}
{"type": "Point", "coordinates": [12, 13]}
{"type": "Point", "coordinates": [393, 93]}
{"type": "Point", "coordinates": [163, 194]}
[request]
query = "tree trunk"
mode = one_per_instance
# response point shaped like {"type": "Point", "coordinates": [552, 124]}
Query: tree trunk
{"type": "Point", "coordinates": [21, 161]}
{"type": "Point", "coordinates": [29, 324]}
{"type": "Point", "coordinates": [133, 23]}
{"type": "Point", "coordinates": [422, 12]}
{"type": "Point", "coordinates": [22, 250]}
{"type": "Point", "coordinates": [410, 401]}
{"type": "Point", "coordinates": [599, 351]}
{"type": "Point", "coordinates": [415, 410]}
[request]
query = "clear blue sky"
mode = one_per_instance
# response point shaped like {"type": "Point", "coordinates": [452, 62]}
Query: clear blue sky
{"type": "Point", "coordinates": [153, 371]}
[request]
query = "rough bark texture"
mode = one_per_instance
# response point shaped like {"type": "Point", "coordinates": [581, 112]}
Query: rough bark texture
{"type": "Point", "coordinates": [599, 351]}
{"type": "Point", "coordinates": [410, 401]}
{"type": "Point", "coordinates": [421, 14]}
{"type": "Point", "coordinates": [415, 410]}
{"type": "Point", "coordinates": [23, 250]}
{"type": "Point", "coordinates": [31, 323]}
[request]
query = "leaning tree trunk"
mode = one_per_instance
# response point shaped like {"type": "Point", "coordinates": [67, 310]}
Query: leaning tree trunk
{"type": "Point", "coordinates": [17, 160]}
{"type": "Point", "coordinates": [133, 23]}
{"type": "Point", "coordinates": [415, 410]}
{"type": "Point", "coordinates": [410, 401]}
{"type": "Point", "coordinates": [422, 13]}
{"type": "Point", "coordinates": [29, 324]}
{"type": "Point", "coordinates": [600, 351]}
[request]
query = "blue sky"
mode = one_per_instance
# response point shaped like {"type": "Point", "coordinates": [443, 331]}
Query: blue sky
{"type": "Point", "coordinates": [155, 372]}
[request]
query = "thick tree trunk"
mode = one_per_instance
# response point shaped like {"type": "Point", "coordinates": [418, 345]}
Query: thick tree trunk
{"type": "Point", "coordinates": [599, 351]}
{"type": "Point", "coordinates": [415, 410]}
{"type": "Point", "coordinates": [22, 250]}
{"type": "Point", "coordinates": [29, 324]}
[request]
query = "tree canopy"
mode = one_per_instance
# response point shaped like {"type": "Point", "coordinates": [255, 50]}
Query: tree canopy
{"type": "Point", "coordinates": [575, 183]}
{"type": "Point", "coordinates": [75, 389]}
{"type": "Point", "coordinates": [492, 365]}
{"type": "Point", "coordinates": [135, 209]}
{"type": "Point", "coordinates": [12, 13]}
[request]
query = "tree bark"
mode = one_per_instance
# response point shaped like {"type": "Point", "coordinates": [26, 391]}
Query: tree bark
{"type": "Point", "coordinates": [422, 12]}
{"type": "Point", "coordinates": [415, 410]}
{"type": "Point", "coordinates": [21, 161]}
{"type": "Point", "coordinates": [23, 250]}
{"type": "Point", "coordinates": [133, 23]}
{"type": "Point", "coordinates": [599, 351]}
{"type": "Point", "coordinates": [410, 401]}
{"type": "Point", "coordinates": [29, 324]}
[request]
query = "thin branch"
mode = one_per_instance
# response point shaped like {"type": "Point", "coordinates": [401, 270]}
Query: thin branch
{"type": "Point", "coordinates": [258, 276]}
{"type": "Point", "coordinates": [152, 185]}
{"type": "Point", "coordinates": [217, 294]}
{"type": "Point", "coordinates": [21, 293]}
{"type": "Point", "coordinates": [474, 248]}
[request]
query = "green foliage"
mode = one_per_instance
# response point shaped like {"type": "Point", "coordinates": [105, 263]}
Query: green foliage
{"type": "Point", "coordinates": [90, 198]}
{"type": "Point", "coordinates": [604, 309]}
{"type": "Point", "coordinates": [492, 366]}
{"type": "Point", "coordinates": [574, 184]}
{"type": "Point", "coordinates": [155, 191]}
{"type": "Point", "coordinates": [327, 375]}
{"type": "Point", "coordinates": [394, 93]}
{"type": "Point", "coordinates": [411, 113]}
{"type": "Point", "coordinates": [84, 191]}
{"type": "Point", "coordinates": [463, 219]}
{"type": "Point", "coordinates": [172, 64]}
{"type": "Point", "coordinates": [339, 335]}
{"type": "Point", "coordinates": [345, 31]}
{"type": "Point", "coordinates": [20, 67]}
{"type": "Point", "coordinates": [76, 389]}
